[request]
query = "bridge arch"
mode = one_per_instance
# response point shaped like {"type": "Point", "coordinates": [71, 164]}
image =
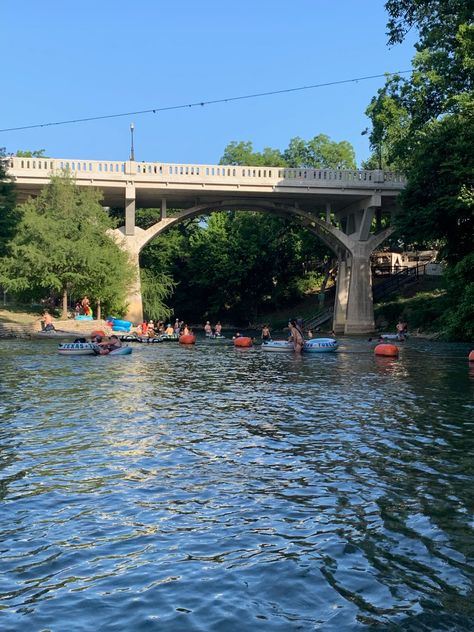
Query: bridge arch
{"type": "Point", "coordinates": [353, 309]}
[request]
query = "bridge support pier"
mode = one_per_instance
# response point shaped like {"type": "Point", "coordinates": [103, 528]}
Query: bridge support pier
{"type": "Point", "coordinates": [342, 292]}
{"type": "Point", "coordinates": [130, 209]}
{"type": "Point", "coordinates": [132, 244]}
{"type": "Point", "coordinates": [134, 298]}
{"type": "Point", "coordinates": [354, 308]}
{"type": "Point", "coordinates": [360, 307]}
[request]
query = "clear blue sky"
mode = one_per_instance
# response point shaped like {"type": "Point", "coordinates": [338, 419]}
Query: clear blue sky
{"type": "Point", "coordinates": [63, 60]}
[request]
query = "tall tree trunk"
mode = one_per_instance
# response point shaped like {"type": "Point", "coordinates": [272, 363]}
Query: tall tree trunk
{"type": "Point", "coordinates": [99, 313]}
{"type": "Point", "coordinates": [64, 312]}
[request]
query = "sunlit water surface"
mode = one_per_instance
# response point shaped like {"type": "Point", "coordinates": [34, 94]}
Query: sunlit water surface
{"type": "Point", "coordinates": [221, 489]}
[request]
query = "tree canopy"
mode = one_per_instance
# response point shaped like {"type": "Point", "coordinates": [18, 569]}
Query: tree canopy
{"type": "Point", "coordinates": [424, 125]}
{"type": "Point", "coordinates": [320, 152]}
{"type": "Point", "coordinates": [8, 214]}
{"type": "Point", "coordinates": [61, 247]}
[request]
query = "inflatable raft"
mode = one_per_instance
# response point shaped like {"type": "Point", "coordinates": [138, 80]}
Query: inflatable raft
{"type": "Point", "coordinates": [320, 345]}
{"type": "Point", "coordinates": [88, 348]}
{"type": "Point", "coordinates": [121, 351]}
{"type": "Point", "coordinates": [77, 348]}
{"type": "Point", "coordinates": [314, 345]}
{"type": "Point", "coordinates": [217, 339]}
{"type": "Point", "coordinates": [169, 337]}
{"type": "Point", "coordinates": [277, 345]}
{"type": "Point", "coordinates": [399, 337]}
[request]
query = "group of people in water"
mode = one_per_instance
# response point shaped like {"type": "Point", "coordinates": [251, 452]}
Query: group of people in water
{"type": "Point", "coordinates": [151, 329]}
{"type": "Point", "coordinates": [215, 331]}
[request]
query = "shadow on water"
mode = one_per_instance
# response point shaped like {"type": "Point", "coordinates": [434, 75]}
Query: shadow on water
{"type": "Point", "coordinates": [213, 488]}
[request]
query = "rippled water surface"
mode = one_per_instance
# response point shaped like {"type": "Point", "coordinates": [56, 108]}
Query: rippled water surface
{"type": "Point", "coordinates": [221, 489]}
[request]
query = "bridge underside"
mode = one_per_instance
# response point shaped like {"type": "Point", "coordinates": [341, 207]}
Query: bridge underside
{"type": "Point", "coordinates": [350, 231]}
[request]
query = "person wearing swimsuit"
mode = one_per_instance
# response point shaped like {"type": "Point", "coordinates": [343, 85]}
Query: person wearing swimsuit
{"type": "Point", "coordinates": [296, 336]}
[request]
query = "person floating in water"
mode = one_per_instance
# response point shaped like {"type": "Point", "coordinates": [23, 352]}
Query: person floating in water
{"type": "Point", "coordinates": [402, 329]}
{"type": "Point", "coordinates": [112, 344]}
{"type": "Point", "coordinates": [266, 335]}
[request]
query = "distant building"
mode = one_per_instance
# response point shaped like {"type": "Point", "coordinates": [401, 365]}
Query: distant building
{"type": "Point", "coordinates": [386, 263]}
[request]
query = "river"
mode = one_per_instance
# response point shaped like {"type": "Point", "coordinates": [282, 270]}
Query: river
{"type": "Point", "coordinates": [213, 489]}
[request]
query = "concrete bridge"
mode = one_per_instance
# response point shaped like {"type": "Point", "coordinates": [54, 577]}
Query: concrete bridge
{"type": "Point", "coordinates": [345, 208]}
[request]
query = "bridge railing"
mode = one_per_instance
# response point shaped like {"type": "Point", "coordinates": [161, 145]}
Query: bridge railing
{"type": "Point", "coordinates": [175, 172]}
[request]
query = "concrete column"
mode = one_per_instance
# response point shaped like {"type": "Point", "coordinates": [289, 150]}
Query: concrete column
{"type": "Point", "coordinates": [328, 213]}
{"type": "Point", "coordinates": [365, 223]}
{"type": "Point", "coordinates": [132, 244]}
{"type": "Point", "coordinates": [342, 292]}
{"type": "Point", "coordinates": [130, 209]}
{"type": "Point", "coordinates": [360, 308]}
{"type": "Point", "coordinates": [134, 298]}
{"type": "Point", "coordinates": [163, 209]}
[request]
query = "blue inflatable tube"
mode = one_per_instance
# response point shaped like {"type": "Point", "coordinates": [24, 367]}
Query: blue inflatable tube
{"type": "Point", "coordinates": [121, 323]}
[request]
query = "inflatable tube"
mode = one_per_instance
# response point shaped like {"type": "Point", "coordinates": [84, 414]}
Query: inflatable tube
{"type": "Point", "coordinates": [277, 345]}
{"type": "Point", "coordinates": [98, 332]}
{"type": "Point", "coordinates": [243, 341]}
{"type": "Point", "coordinates": [399, 337]}
{"type": "Point", "coordinates": [471, 356]}
{"type": "Point", "coordinates": [76, 348]}
{"type": "Point", "coordinates": [320, 345]}
{"type": "Point", "coordinates": [386, 350]}
{"type": "Point", "coordinates": [121, 323]}
{"type": "Point", "coordinates": [83, 317]}
{"type": "Point", "coordinates": [187, 339]}
{"type": "Point", "coordinates": [120, 328]}
{"type": "Point", "coordinates": [168, 337]}
{"type": "Point", "coordinates": [121, 351]}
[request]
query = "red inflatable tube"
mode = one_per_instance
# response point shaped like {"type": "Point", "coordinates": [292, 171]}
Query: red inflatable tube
{"type": "Point", "coordinates": [386, 350]}
{"type": "Point", "coordinates": [187, 339]}
{"type": "Point", "coordinates": [243, 341]}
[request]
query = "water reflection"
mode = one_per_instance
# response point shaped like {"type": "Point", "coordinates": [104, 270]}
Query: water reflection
{"type": "Point", "coordinates": [222, 489]}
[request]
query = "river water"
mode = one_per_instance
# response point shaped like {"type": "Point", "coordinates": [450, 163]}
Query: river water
{"type": "Point", "coordinates": [219, 489]}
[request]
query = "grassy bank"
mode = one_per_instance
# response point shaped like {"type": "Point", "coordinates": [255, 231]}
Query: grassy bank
{"type": "Point", "coordinates": [422, 305]}
{"type": "Point", "coordinates": [19, 314]}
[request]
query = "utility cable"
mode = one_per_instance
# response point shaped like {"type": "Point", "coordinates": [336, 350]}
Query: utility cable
{"type": "Point", "coordinates": [203, 103]}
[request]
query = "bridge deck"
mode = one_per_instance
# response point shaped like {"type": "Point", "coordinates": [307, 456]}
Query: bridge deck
{"type": "Point", "coordinates": [183, 184]}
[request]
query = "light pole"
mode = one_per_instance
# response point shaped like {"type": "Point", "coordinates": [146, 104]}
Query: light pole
{"type": "Point", "coordinates": [132, 150]}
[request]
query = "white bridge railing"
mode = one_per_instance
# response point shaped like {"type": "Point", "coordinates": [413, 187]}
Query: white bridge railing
{"type": "Point", "coordinates": [167, 172]}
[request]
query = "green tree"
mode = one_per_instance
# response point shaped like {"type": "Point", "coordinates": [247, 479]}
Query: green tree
{"type": "Point", "coordinates": [37, 153]}
{"type": "Point", "coordinates": [424, 123]}
{"type": "Point", "coordinates": [61, 246]}
{"type": "Point", "coordinates": [436, 205]}
{"type": "Point", "coordinates": [242, 153]}
{"type": "Point", "coordinates": [8, 214]}
{"type": "Point", "coordinates": [237, 265]}
{"type": "Point", "coordinates": [157, 287]}
{"type": "Point", "coordinates": [320, 152]}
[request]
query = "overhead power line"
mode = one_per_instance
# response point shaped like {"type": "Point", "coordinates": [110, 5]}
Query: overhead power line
{"type": "Point", "coordinates": [203, 103]}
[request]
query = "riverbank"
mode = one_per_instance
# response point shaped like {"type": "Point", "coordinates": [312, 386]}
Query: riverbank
{"type": "Point", "coordinates": [25, 324]}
